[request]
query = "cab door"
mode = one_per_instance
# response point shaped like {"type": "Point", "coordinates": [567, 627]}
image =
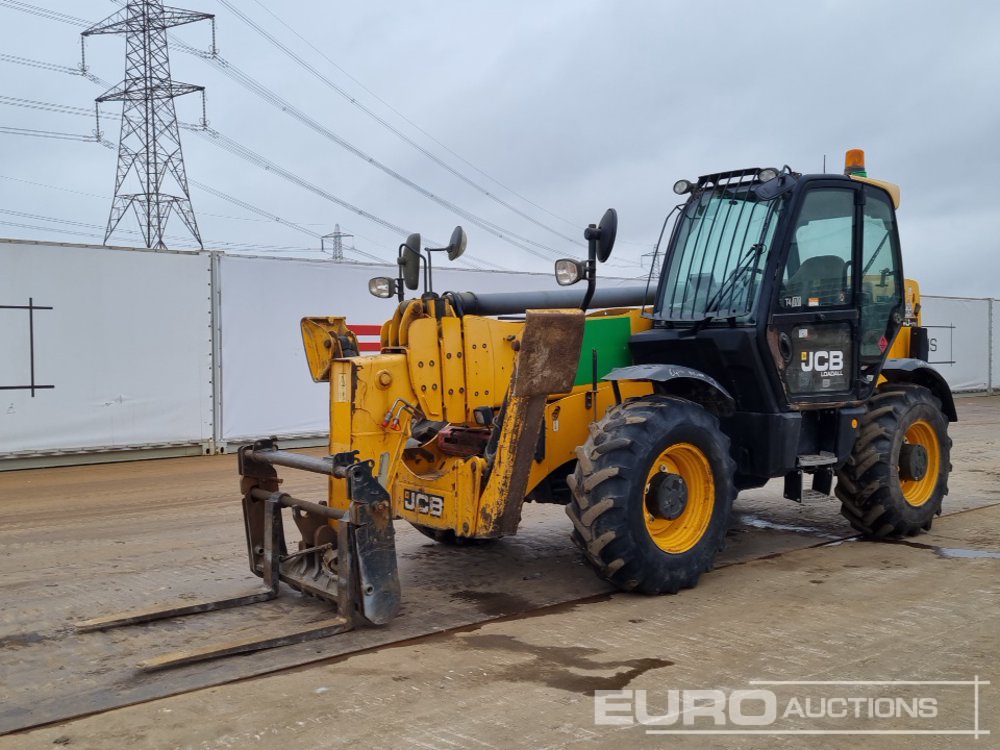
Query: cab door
{"type": "Point", "coordinates": [838, 302]}
{"type": "Point", "coordinates": [814, 324]}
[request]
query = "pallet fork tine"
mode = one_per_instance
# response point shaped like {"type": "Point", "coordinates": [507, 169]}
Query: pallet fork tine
{"type": "Point", "coordinates": [353, 567]}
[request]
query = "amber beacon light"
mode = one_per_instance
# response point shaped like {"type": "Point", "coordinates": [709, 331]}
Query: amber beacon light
{"type": "Point", "coordinates": [854, 162]}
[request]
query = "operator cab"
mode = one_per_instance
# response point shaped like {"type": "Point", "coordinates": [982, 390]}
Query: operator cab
{"type": "Point", "coordinates": [778, 299]}
{"type": "Point", "coordinates": [780, 279]}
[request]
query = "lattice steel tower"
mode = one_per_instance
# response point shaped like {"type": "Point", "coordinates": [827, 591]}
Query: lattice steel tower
{"type": "Point", "coordinates": [151, 179]}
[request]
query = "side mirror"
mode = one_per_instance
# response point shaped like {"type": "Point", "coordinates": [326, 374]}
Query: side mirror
{"type": "Point", "coordinates": [569, 271]}
{"type": "Point", "coordinates": [409, 261]}
{"type": "Point", "coordinates": [600, 241]}
{"type": "Point", "coordinates": [382, 287]}
{"type": "Point", "coordinates": [456, 245]}
{"type": "Point", "coordinates": [604, 234]}
{"type": "Point", "coordinates": [459, 239]}
{"type": "Point", "coordinates": [781, 183]}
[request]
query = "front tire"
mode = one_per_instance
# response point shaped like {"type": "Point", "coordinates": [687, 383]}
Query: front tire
{"type": "Point", "coordinates": [652, 494]}
{"type": "Point", "coordinates": [897, 475]}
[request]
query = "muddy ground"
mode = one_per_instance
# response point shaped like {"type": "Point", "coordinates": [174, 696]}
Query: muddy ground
{"type": "Point", "coordinates": [791, 600]}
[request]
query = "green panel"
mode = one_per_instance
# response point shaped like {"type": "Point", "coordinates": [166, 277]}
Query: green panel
{"type": "Point", "coordinates": [610, 337]}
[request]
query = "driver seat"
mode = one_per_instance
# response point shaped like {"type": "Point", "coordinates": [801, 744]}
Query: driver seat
{"type": "Point", "coordinates": [823, 277]}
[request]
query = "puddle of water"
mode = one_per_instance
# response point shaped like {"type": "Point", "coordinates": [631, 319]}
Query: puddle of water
{"type": "Point", "coordinates": [762, 523]}
{"type": "Point", "coordinates": [839, 542]}
{"type": "Point", "coordinates": [951, 553]}
{"type": "Point", "coordinates": [560, 667]}
{"type": "Point", "coordinates": [494, 603]}
{"type": "Point", "coordinates": [962, 553]}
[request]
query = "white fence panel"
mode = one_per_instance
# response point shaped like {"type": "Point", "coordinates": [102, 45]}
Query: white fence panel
{"type": "Point", "coordinates": [106, 348]}
{"type": "Point", "coordinates": [958, 330]}
{"type": "Point", "coordinates": [995, 344]}
{"type": "Point", "coordinates": [118, 348]}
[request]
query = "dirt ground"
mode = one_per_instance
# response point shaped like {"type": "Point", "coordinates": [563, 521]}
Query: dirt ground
{"type": "Point", "coordinates": [502, 646]}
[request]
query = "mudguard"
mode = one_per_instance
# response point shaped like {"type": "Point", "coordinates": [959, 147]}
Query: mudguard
{"type": "Point", "coordinates": [685, 381]}
{"type": "Point", "coordinates": [917, 371]}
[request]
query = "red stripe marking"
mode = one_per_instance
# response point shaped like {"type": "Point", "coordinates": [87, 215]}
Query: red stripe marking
{"type": "Point", "coordinates": [364, 330]}
{"type": "Point", "coordinates": [370, 346]}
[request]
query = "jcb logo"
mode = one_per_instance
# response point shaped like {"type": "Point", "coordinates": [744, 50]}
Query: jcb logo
{"type": "Point", "coordinates": [823, 361]}
{"type": "Point", "coordinates": [421, 502]}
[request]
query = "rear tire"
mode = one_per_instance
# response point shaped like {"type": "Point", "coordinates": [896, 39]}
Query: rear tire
{"type": "Point", "coordinates": [882, 495]}
{"type": "Point", "coordinates": [638, 445]}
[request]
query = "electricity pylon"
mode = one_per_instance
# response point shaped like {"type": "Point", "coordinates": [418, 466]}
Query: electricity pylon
{"type": "Point", "coordinates": [151, 178]}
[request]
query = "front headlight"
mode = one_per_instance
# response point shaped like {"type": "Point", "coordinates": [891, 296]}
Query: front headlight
{"type": "Point", "coordinates": [569, 271]}
{"type": "Point", "coordinates": [382, 286]}
{"type": "Point", "coordinates": [683, 186]}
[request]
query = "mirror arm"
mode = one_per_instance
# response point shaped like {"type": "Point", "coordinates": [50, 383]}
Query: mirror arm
{"type": "Point", "coordinates": [399, 276]}
{"type": "Point", "coordinates": [591, 284]}
{"type": "Point", "coordinates": [591, 235]}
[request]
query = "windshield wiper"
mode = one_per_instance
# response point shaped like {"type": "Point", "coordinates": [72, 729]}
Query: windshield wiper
{"type": "Point", "coordinates": [748, 262]}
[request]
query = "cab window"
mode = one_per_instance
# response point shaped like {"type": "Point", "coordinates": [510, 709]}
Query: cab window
{"type": "Point", "coordinates": [818, 269]}
{"type": "Point", "coordinates": [881, 285]}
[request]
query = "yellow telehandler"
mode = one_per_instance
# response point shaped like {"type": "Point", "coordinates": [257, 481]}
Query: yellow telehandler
{"type": "Point", "coordinates": [776, 338]}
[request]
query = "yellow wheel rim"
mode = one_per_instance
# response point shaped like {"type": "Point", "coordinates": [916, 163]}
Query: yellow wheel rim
{"type": "Point", "coordinates": [684, 532]}
{"type": "Point", "coordinates": [919, 491]}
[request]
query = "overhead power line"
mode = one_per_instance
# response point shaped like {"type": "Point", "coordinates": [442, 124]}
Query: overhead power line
{"type": "Point", "coordinates": [47, 134]}
{"type": "Point", "coordinates": [237, 149]}
{"type": "Point", "coordinates": [410, 122]}
{"type": "Point", "coordinates": [17, 60]}
{"type": "Point", "coordinates": [275, 100]}
{"type": "Point", "coordinates": [528, 245]}
{"type": "Point", "coordinates": [67, 109]}
{"type": "Point", "coordinates": [46, 13]}
{"type": "Point", "coordinates": [284, 222]}
{"type": "Point", "coordinates": [26, 215]}
{"type": "Point", "coordinates": [53, 187]}
{"type": "Point", "coordinates": [225, 143]}
{"type": "Point", "coordinates": [81, 225]}
{"type": "Point", "coordinates": [386, 124]}
{"type": "Point", "coordinates": [265, 216]}
{"type": "Point", "coordinates": [36, 228]}
{"type": "Point", "coordinates": [248, 154]}
{"type": "Point", "coordinates": [54, 67]}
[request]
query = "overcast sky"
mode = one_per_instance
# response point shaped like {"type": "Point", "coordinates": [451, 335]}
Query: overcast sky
{"type": "Point", "coordinates": [564, 108]}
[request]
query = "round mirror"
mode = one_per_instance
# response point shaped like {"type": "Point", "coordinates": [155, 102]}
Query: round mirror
{"type": "Point", "coordinates": [608, 230]}
{"type": "Point", "coordinates": [459, 239]}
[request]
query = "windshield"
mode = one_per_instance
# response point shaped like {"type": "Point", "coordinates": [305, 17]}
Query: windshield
{"type": "Point", "coordinates": [721, 243]}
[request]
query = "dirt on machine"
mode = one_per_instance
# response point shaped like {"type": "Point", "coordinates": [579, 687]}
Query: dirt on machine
{"type": "Point", "coordinates": [777, 337]}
